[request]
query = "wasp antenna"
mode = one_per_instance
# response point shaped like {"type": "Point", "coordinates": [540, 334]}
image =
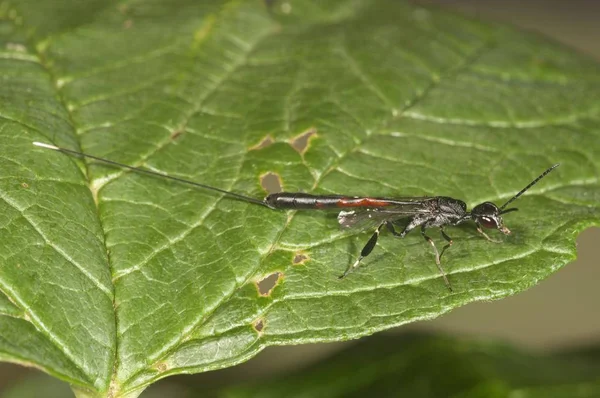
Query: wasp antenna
{"type": "Point", "coordinates": [532, 183]}
{"type": "Point", "coordinates": [150, 172]}
{"type": "Point", "coordinates": [48, 146]}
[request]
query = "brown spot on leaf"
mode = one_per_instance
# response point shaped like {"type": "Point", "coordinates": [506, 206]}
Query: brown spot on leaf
{"type": "Point", "coordinates": [301, 142]}
{"type": "Point", "coordinates": [24, 185]}
{"type": "Point", "coordinates": [161, 367]}
{"type": "Point", "coordinates": [265, 142]}
{"type": "Point", "coordinates": [258, 325]}
{"type": "Point", "coordinates": [271, 182]}
{"type": "Point", "coordinates": [300, 258]}
{"type": "Point", "coordinates": [128, 23]}
{"type": "Point", "coordinates": [265, 286]}
{"type": "Point", "coordinates": [176, 134]}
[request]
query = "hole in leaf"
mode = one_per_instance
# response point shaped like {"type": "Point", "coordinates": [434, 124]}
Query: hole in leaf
{"type": "Point", "coordinates": [265, 286]}
{"type": "Point", "coordinates": [300, 258]}
{"type": "Point", "coordinates": [268, 140]}
{"type": "Point", "coordinates": [271, 182]}
{"type": "Point", "coordinates": [300, 142]}
{"type": "Point", "coordinates": [259, 325]}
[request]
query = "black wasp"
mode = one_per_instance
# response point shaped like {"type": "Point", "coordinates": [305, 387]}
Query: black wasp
{"type": "Point", "coordinates": [364, 212]}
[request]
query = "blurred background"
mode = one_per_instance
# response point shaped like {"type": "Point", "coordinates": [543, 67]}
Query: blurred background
{"type": "Point", "coordinates": [561, 313]}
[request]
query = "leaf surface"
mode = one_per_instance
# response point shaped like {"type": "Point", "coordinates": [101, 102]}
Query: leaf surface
{"type": "Point", "coordinates": [111, 280]}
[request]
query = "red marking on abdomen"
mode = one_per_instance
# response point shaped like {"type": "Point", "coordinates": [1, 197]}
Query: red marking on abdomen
{"type": "Point", "coordinates": [362, 202]}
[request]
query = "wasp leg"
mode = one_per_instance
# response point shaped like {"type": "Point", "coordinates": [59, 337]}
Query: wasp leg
{"type": "Point", "coordinates": [448, 239]}
{"type": "Point", "coordinates": [486, 235]}
{"type": "Point", "coordinates": [414, 222]}
{"type": "Point", "coordinates": [392, 230]}
{"type": "Point", "coordinates": [437, 257]}
{"type": "Point", "coordinates": [366, 250]}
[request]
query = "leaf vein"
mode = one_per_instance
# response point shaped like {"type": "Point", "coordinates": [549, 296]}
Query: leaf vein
{"type": "Point", "coordinates": [106, 290]}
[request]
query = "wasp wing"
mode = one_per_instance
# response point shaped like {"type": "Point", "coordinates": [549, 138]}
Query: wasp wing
{"type": "Point", "coordinates": [372, 217]}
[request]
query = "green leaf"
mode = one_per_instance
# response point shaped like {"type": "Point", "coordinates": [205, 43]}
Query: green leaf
{"type": "Point", "coordinates": [111, 280]}
{"type": "Point", "coordinates": [427, 366]}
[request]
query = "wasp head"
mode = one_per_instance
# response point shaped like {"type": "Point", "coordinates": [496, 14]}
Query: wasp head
{"type": "Point", "coordinates": [489, 216]}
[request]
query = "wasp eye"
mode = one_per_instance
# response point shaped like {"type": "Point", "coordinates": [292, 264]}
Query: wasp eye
{"type": "Point", "coordinates": [488, 222]}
